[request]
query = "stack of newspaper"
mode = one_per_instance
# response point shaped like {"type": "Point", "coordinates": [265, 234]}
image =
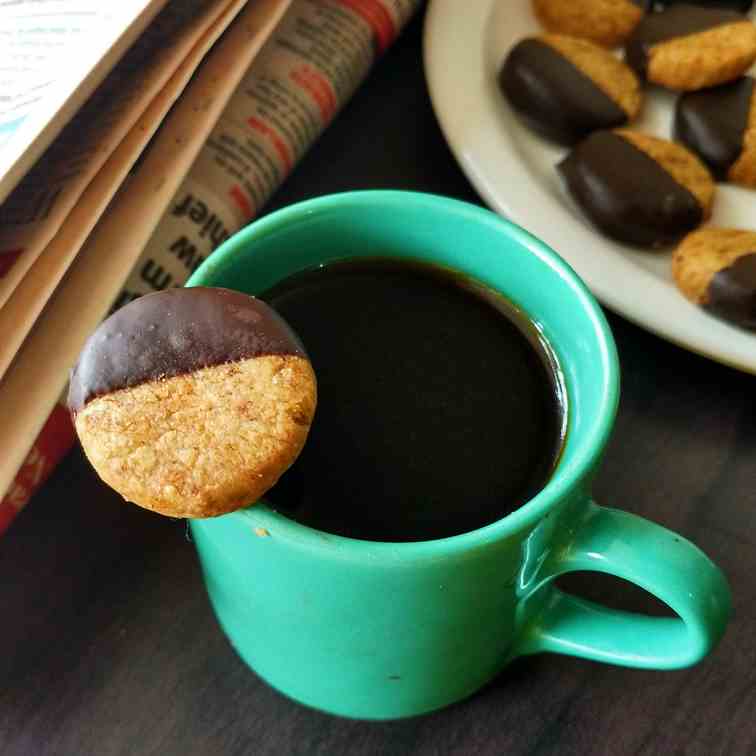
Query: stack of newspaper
{"type": "Point", "coordinates": [135, 137]}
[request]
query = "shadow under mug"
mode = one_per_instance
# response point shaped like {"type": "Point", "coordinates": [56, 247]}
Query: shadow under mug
{"type": "Point", "coordinates": [386, 630]}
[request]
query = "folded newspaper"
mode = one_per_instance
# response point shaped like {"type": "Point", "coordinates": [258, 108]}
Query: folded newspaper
{"type": "Point", "coordinates": [133, 141]}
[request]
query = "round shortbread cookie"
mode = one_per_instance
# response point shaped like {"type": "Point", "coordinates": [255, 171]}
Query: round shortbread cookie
{"type": "Point", "coordinates": [192, 402]}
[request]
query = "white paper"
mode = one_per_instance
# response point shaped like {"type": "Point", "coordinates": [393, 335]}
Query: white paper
{"type": "Point", "coordinates": [53, 54]}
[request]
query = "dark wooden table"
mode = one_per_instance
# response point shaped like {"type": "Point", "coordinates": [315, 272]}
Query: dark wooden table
{"type": "Point", "coordinates": [108, 644]}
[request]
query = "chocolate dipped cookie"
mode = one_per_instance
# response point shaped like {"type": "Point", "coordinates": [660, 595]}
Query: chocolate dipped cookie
{"type": "Point", "coordinates": [716, 268]}
{"type": "Point", "coordinates": [688, 47]}
{"type": "Point", "coordinates": [636, 188]}
{"type": "Point", "coordinates": [564, 88]}
{"type": "Point", "coordinates": [719, 125]}
{"type": "Point", "coordinates": [192, 402]}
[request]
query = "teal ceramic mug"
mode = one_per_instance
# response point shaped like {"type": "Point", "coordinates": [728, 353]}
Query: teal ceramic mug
{"type": "Point", "coordinates": [385, 630]}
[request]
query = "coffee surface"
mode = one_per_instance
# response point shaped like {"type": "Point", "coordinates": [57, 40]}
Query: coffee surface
{"type": "Point", "coordinates": [436, 414]}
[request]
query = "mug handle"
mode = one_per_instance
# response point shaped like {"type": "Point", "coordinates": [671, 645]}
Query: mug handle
{"type": "Point", "coordinates": [654, 558]}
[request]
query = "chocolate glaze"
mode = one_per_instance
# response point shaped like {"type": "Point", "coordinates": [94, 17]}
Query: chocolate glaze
{"type": "Point", "coordinates": [737, 5]}
{"type": "Point", "coordinates": [732, 292]}
{"type": "Point", "coordinates": [553, 96]}
{"type": "Point", "coordinates": [626, 194]}
{"type": "Point", "coordinates": [712, 122]}
{"type": "Point", "coordinates": [175, 332]}
{"type": "Point", "coordinates": [677, 21]}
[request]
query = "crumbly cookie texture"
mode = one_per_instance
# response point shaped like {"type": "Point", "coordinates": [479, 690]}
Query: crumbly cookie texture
{"type": "Point", "coordinates": [606, 22]}
{"type": "Point", "coordinates": [684, 167]}
{"type": "Point", "coordinates": [204, 443]}
{"type": "Point", "coordinates": [704, 253]}
{"type": "Point", "coordinates": [743, 171]}
{"type": "Point", "coordinates": [608, 73]}
{"type": "Point", "coordinates": [705, 59]}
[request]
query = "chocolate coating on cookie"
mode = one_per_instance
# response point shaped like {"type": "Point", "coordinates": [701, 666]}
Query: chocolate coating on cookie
{"type": "Point", "coordinates": [731, 292]}
{"type": "Point", "coordinates": [553, 96]}
{"type": "Point", "coordinates": [627, 194]}
{"type": "Point", "coordinates": [742, 6]}
{"type": "Point", "coordinates": [712, 123]}
{"type": "Point", "coordinates": [175, 332]}
{"type": "Point", "coordinates": [673, 23]}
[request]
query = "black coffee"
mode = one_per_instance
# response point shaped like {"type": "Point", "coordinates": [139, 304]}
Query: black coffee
{"type": "Point", "coordinates": [436, 414]}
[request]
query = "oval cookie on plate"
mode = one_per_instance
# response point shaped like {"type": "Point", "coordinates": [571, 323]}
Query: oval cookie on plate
{"type": "Point", "coordinates": [564, 87]}
{"type": "Point", "coordinates": [687, 47]}
{"type": "Point", "coordinates": [192, 402]}
{"type": "Point", "coordinates": [606, 22]}
{"type": "Point", "coordinates": [716, 268]}
{"type": "Point", "coordinates": [719, 125]}
{"type": "Point", "coordinates": [636, 188]}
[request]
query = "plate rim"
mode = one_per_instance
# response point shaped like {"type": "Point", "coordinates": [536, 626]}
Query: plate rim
{"type": "Point", "coordinates": [445, 76]}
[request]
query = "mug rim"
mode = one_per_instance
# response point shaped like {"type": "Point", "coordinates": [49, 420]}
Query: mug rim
{"type": "Point", "coordinates": [262, 517]}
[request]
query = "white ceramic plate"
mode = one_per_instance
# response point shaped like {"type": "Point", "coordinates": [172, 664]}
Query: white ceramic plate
{"type": "Point", "coordinates": [513, 170]}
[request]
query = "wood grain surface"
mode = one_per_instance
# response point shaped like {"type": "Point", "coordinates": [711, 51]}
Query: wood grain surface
{"type": "Point", "coordinates": [107, 641]}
